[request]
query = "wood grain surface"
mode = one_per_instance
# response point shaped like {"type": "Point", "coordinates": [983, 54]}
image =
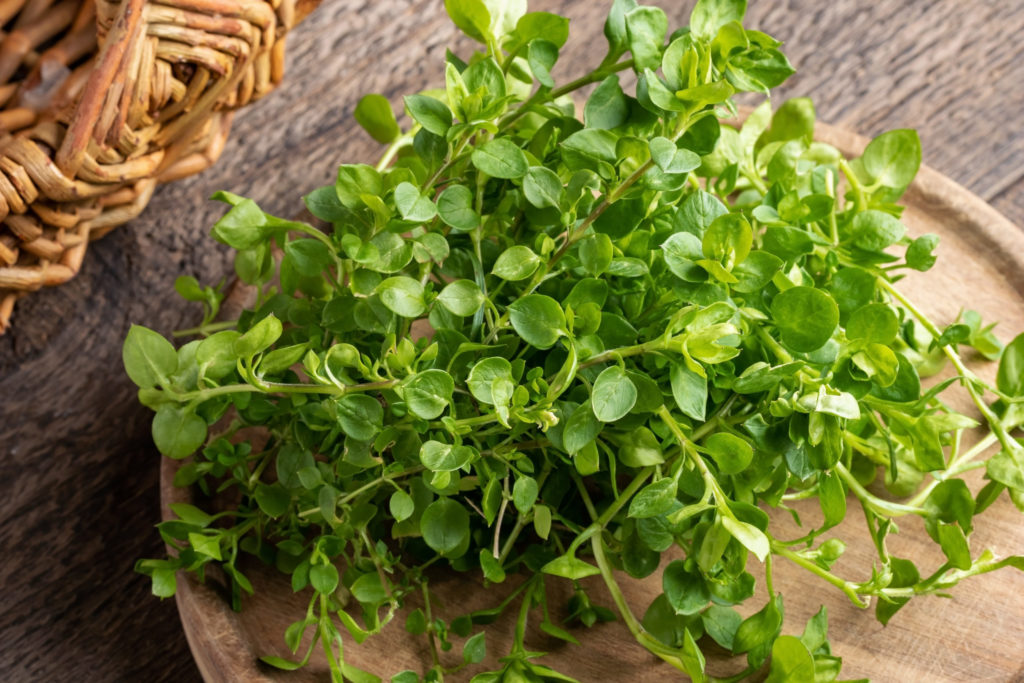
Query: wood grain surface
{"type": "Point", "coordinates": [78, 473]}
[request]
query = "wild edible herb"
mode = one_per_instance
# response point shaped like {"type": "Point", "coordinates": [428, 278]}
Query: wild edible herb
{"type": "Point", "coordinates": [530, 345]}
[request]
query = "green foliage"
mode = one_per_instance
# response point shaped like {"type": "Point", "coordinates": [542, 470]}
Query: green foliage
{"type": "Point", "coordinates": [528, 344]}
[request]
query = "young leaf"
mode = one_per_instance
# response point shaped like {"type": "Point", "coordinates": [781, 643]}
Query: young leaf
{"type": "Point", "coordinates": [148, 358]}
{"type": "Point", "coordinates": [806, 317]}
{"type": "Point", "coordinates": [375, 116]}
{"type": "Point", "coordinates": [538, 319]}
{"type": "Point", "coordinates": [500, 158]}
{"type": "Point", "coordinates": [613, 395]}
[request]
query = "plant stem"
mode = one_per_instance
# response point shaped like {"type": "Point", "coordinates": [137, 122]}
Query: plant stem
{"type": "Point", "coordinates": [205, 329]}
{"type": "Point", "coordinates": [540, 96]}
{"type": "Point", "coordinates": [968, 377]}
{"type": "Point", "coordinates": [810, 566]}
{"type": "Point", "coordinates": [876, 504]}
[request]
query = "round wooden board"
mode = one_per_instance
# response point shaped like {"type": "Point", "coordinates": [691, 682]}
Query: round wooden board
{"type": "Point", "coordinates": [977, 636]}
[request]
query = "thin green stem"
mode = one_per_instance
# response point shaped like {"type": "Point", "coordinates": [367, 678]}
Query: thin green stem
{"type": "Point", "coordinates": [396, 145]}
{"type": "Point", "coordinates": [542, 95]}
{"type": "Point", "coordinates": [206, 328]}
{"type": "Point", "coordinates": [877, 505]}
{"type": "Point", "coordinates": [810, 566]}
{"type": "Point", "coordinates": [969, 378]}
{"type": "Point", "coordinates": [858, 189]}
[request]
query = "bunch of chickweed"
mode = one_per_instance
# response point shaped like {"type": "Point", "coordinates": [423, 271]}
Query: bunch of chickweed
{"type": "Point", "coordinates": [533, 348]}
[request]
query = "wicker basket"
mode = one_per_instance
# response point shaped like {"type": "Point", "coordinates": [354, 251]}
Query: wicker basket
{"type": "Point", "coordinates": [103, 99]}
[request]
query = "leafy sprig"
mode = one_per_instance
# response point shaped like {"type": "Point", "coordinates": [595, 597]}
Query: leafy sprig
{"type": "Point", "coordinates": [525, 343]}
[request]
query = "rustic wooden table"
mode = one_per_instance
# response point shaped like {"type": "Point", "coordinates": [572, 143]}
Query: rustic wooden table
{"type": "Point", "coordinates": [78, 473]}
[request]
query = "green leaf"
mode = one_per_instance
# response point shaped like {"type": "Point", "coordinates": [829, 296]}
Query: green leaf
{"type": "Point", "coordinates": [374, 114]}
{"type": "Point", "coordinates": [259, 337]}
{"type": "Point", "coordinates": [402, 295]}
{"type": "Point", "coordinates": [806, 317]}
{"type": "Point", "coordinates": [728, 239]}
{"type": "Point", "coordinates": [541, 55]}
{"type": "Point", "coordinates": [272, 499]}
{"type": "Point", "coordinates": [205, 545]}
{"type": "Point", "coordinates": [698, 212]}
{"type": "Point", "coordinates": [149, 359]}
{"type": "Point", "coordinates": [190, 514]}
{"type": "Point", "coordinates": [516, 263]}
{"type": "Point", "coordinates": [445, 527]}
{"type": "Point", "coordinates": [570, 567]}
{"type": "Point", "coordinates": [640, 448]}
{"type": "Point", "coordinates": [596, 253]}
{"type": "Point", "coordinates": [242, 227]}
{"type": "Point", "coordinates": [281, 359]}
{"type": "Point", "coordinates": [401, 505]}
{"type": "Point", "coordinates": [832, 498]}
{"type": "Point", "coordinates": [793, 120]}
{"type": "Point", "coordinates": [323, 578]}
{"type": "Point", "coordinates": [875, 230]}
{"type": "Point", "coordinates": [791, 662]}
{"type": "Point", "coordinates": [1010, 376]}
{"type": "Point", "coordinates": [893, 158]}
{"type": "Point", "coordinates": [954, 545]}
{"type": "Point", "coordinates": [708, 16]}
{"type": "Point", "coordinates": [919, 253]}
{"type": "Point", "coordinates": [672, 159]}
{"type": "Point", "coordinates": [474, 650]}
{"type": "Point", "coordinates": [368, 589]}
{"type": "Point", "coordinates": [759, 628]}
{"type": "Point", "coordinates": [581, 428]}
{"type": "Point", "coordinates": [682, 250]}
{"type": "Point", "coordinates": [412, 205]}
{"type": "Point", "coordinates": [455, 207]}
{"type": "Point", "coordinates": [177, 431]}
{"type": "Point", "coordinates": [654, 500]}
{"type": "Point", "coordinates": [442, 457]}
{"type": "Point", "coordinates": [357, 675]}
{"type": "Point", "coordinates": [461, 297]}
{"type": "Point", "coordinates": [690, 391]}
{"type": "Point", "coordinates": [188, 288]}
{"type": "Point", "coordinates": [360, 416]}
{"type": "Point", "coordinates": [524, 494]}
{"type": "Point", "coordinates": [875, 323]}
{"type": "Point", "coordinates": [542, 520]}
{"type": "Point", "coordinates": [481, 377]}
{"type": "Point", "coordinates": [687, 592]}
{"type": "Point", "coordinates": [354, 182]}
{"type": "Point", "coordinates": [951, 501]}
{"type": "Point", "coordinates": [613, 395]}
{"type": "Point", "coordinates": [281, 663]}
{"type": "Point", "coordinates": [490, 566]}
{"type": "Point", "coordinates": [430, 113]}
{"type": "Point", "coordinates": [500, 158]}
{"type": "Point", "coordinates": [429, 393]}
{"type": "Point", "coordinates": [542, 187]}
{"type": "Point", "coordinates": [615, 28]}
{"type": "Point", "coordinates": [533, 25]}
{"type": "Point", "coordinates": [731, 454]}
{"type": "Point", "coordinates": [721, 622]}
{"type": "Point", "coordinates": [646, 28]}
{"type": "Point", "coordinates": [165, 583]}
{"type": "Point", "coordinates": [607, 107]}
{"type": "Point", "coordinates": [752, 538]}
{"type": "Point", "coordinates": [471, 16]}
{"type": "Point", "coordinates": [216, 354]}
{"type": "Point", "coordinates": [538, 320]}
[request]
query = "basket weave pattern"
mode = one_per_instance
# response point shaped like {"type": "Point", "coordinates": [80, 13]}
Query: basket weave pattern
{"type": "Point", "coordinates": [103, 99]}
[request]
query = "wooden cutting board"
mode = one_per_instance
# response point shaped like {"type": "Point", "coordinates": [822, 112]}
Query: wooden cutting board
{"type": "Point", "coordinates": [977, 636]}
